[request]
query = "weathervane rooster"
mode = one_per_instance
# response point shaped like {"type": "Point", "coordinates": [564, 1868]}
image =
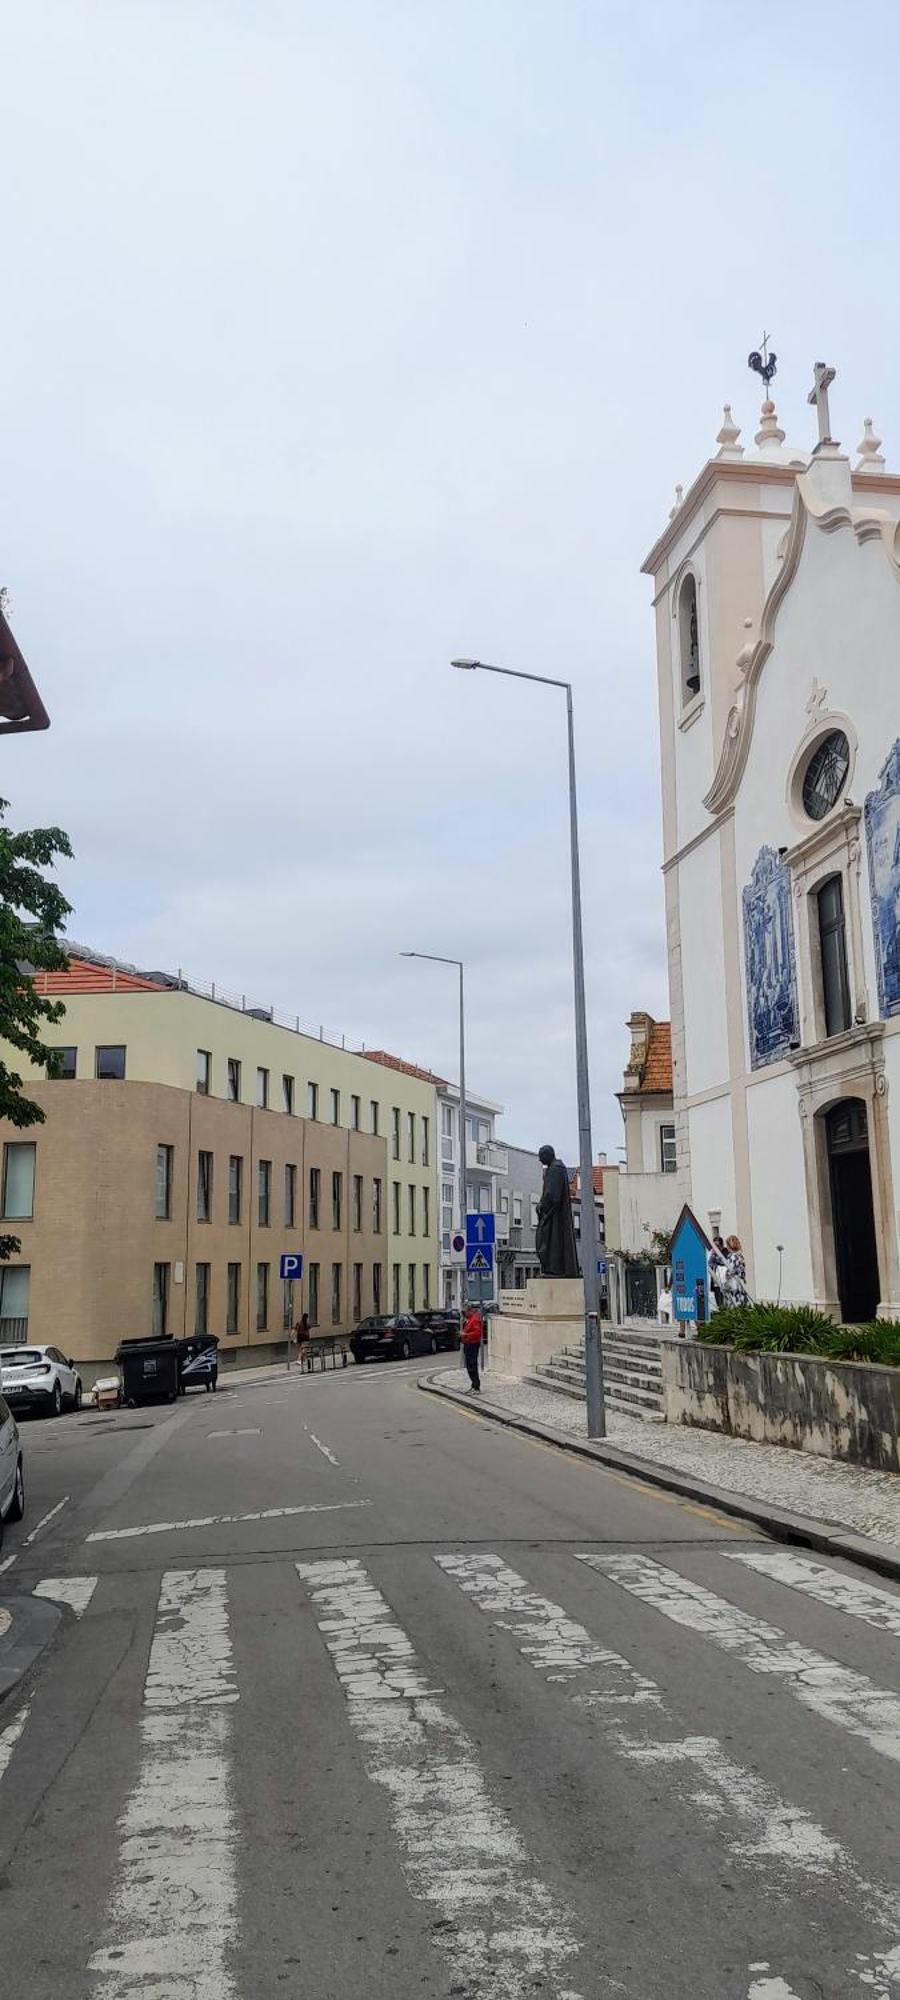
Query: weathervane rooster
{"type": "Point", "coordinates": [764, 363]}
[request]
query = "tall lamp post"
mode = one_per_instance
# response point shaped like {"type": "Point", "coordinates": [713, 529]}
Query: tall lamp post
{"type": "Point", "coordinates": [596, 1411]}
{"type": "Point", "coordinates": [433, 959]}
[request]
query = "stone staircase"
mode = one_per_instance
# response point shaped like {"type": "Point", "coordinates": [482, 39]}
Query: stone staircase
{"type": "Point", "coordinates": [632, 1373]}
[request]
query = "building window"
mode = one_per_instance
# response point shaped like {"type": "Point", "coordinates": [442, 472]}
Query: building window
{"type": "Point", "coordinates": [447, 1121]}
{"type": "Point", "coordinates": [109, 1062]}
{"type": "Point", "coordinates": [354, 1114]}
{"type": "Point", "coordinates": [689, 640]}
{"type": "Point", "coordinates": [18, 1181]}
{"type": "Point", "coordinates": [287, 1094]}
{"type": "Point", "coordinates": [233, 1081]}
{"type": "Point", "coordinates": [448, 1193]}
{"type": "Point", "coordinates": [313, 1306]}
{"type": "Point", "coordinates": [290, 1197]}
{"type": "Point", "coordinates": [64, 1067]}
{"type": "Point", "coordinates": [517, 1211]}
{"type": "Point", "coordinates": [395, 1198]}
{"type": "Point", "coordinates": [204, 1187]}
{"type": "Point", "coordinates": [15, 1286]}
{"type": "Point", "coordinates": [376, 1288]}
{"type": "Point", "coordinates": [262, 1090]}
{"type": "Point", "coordinates": [235, 1187]}
{"type": "Point", "coordinates": [426, 1287]}
{"type": "Point", "coordinates": [335, 1107]}
{"type": "Point", "coordinates": [357, 1202]}
{"type": "Point", "coordinates": [395, 1288]}
{"type": "Point", "coordinates": [233, 1299]}
{"type": "Point", "coordinates": [201, 1300]}
{"type": "Point", "coordinates": [337, 1199]}
{"type": "Point", "coordinates": [315, 1187]}
{"type": "Point", "coordinates": [336, 1294]}
{"type": "Point", "coordinates": [426, 1211]}
{"type": "Point", "coordinates": [374, 1115]}
{"type": "Point", "coordinates": [160, 1325]}
{"type": "Point", "coordinates": [411, 1289]}
{"type": "Point", "coordinates": [357, 1291]}
{"type": "Point", "coordinates": [262, 1297]}
{"type": "Point", "coordinates": [376, 1207]}
{"type": "Point", "coordinates": [411, 1201]}
{"type": "Point", "coordinates": [163, 1183]}
{"type": "Point", "coordinates": [312, 1100]}
{"type": "Point", "coordinates": [833, 956]}
{"type": "Point", "coordinates": [204, 1073]}
{"type": "Point", "coordinates": [264, 1193]}
{"type": "Point", "coordinates": [395, 1132]}
{"type": "Point", "coordinates": [425, 1142]}
{"type": "Point", "coordinates": [411, 1137]}
{"type": "Point", "coordinates": [668, 1162]}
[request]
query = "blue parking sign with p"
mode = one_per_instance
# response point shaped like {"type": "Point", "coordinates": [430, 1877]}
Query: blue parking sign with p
{"type": "Point", "coordinates": [291, 1264]}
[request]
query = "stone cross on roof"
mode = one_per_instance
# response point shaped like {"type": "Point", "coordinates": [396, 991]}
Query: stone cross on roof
{"type": "Point", "coordinates": [823, 378]}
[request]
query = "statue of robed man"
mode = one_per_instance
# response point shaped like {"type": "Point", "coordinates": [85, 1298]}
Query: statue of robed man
{"type": "Point", "coordinates": [554, 1238]}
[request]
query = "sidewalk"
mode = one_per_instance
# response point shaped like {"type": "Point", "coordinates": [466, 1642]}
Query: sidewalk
{"type": "Point", "coordinates": [773, 1479]}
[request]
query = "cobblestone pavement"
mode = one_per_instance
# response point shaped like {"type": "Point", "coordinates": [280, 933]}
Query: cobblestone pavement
{"type": "Point", "coordinates": [847, 1495]}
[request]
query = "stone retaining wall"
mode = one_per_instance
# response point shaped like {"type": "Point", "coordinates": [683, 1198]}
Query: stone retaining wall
{"type": "Point", "coordinates": [837, 1409]}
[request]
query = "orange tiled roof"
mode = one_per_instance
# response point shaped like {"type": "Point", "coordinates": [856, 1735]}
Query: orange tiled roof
{"type": "Point", "coordinates": [84, 975]}
{"type": "Point", "coordinates": [658, 1066]}
{"type": "Point", "coordinates": [575, 1182]}
{"type": "Point", "coordinates": [407, 1068]}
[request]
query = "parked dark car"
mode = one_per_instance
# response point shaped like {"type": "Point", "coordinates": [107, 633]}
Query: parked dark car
{"type": "Point", "coordinates": [390, 1337]}
{"type": "Point", "coordinates": [441, 1323]}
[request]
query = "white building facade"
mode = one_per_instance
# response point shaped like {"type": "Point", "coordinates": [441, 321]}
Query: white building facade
{"type": "Point", "coordinates": [777, 600]}
{"type": "Point", "coordinates": [486, 1161]}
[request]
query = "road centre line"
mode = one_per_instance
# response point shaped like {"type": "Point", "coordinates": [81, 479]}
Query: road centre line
{"type": "Point", "coordinates": [830, 1586]}
{"type": "Point", "coordinates": [222, 1520]}
{"type": "Point", "coordinates": [500, 1927]}
{"type": "Point", "coordinates": [8, 1562]}
{"type": "Point", "coordinates": [45, 1520]}
{"type": "Point", "coordinates": [835, 1693]}
{"type": "Point", "coordinates": [323, 1448]}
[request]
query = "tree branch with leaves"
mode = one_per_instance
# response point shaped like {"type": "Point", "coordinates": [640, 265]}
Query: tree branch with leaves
{"type": "Point", "coordinates": [33, 911]}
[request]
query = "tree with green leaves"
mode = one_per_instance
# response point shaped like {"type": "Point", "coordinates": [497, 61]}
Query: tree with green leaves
{"type": "Point", "coordinates": [33, 911]}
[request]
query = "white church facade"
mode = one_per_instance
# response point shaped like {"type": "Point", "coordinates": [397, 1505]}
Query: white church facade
{"type": "Point", "coordinates": [777, 602]}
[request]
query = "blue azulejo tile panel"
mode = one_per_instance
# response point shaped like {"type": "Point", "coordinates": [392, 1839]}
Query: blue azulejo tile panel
{"type": "Point", "coordinates": [772, 1015]}
{"type": "Point", "coordinates": [882, 816]}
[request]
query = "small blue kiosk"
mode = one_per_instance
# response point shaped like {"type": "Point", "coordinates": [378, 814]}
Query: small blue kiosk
{"type": "Point", "coordinates": [690, 1270]}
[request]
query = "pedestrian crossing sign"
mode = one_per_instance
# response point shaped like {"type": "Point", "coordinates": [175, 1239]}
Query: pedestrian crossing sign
{"type": "Point", "coordinates": [479, 1260]}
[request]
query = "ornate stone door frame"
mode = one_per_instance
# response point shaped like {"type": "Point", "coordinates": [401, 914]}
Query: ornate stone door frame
{"type": "Point", "coordinates": [850, 1065]}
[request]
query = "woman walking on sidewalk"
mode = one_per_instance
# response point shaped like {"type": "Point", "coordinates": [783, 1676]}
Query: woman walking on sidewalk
{"type": "Point", "coordinates": [472, 1336]}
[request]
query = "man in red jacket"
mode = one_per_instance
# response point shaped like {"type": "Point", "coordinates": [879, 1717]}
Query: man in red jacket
{"type": "Point", "coordinates": [472, 1336]}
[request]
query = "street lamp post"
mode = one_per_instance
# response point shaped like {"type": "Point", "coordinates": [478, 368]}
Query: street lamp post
{"type": "Point", "coordinates": [433, 959]}
{"type": "Point", "coordinates": [596, 1411]}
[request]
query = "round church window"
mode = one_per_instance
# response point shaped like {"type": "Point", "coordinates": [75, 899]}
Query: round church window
{"type": "Point", "coordinates": [826, 774]}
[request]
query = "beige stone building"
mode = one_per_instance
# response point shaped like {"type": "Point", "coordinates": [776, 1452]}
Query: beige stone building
{"type": "Point", "coordinates": [187, 1145]}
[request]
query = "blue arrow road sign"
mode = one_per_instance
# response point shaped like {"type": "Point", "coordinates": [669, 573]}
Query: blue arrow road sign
{"type": "Point", "coordinates": [478, 1259]}
{"type": "Point", "coordinates": [480, 1229]}
{"type": "Point", "coordinates": [290, 1265]}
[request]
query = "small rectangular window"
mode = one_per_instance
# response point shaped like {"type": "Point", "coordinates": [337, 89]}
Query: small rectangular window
{"type": "Point", "coordinates": [262, 1090]}
{"type": "Point", "coordinates": [163, 1183]}
{"type": "Point", "coordinates": [204, 1075]}
{"type": "Point", "coordinates": [337, 1198]}
{"type": "Point", "coordinates": [233, 1081]}
{"type": "Point", "coordinates": [64, 1066]}
{"type": "Point", "coordinates": [833, 955]}
{"type": "Point", "coordinates": [287, 1094]}
{"type": "Point", "coordinates": [357, 1202]}
{"type": "Point", "coordinates": [357, 1291]}
{"type": "Point", "coordinates": [336, 1294]}
{"type": "Point", "coordinates": [517, 1211]}
{"type": "Point", "coordinates": [447, 1121]}
{"type": "Point", "coordinates": [395, 1288]}
{"type": "Point", "coordinates": [18, 1181]}
{"type": "Point", "coordinates": [411, 1137]}
{"type": "Point", "coordinates": [411, 1199]}
{"type": "Point", "coordinates": [235, 1187]}
{"type": "Point", "coordinates": [411, 1289]}
{"type": "Point", "coordinates": [262, 1297]}
{"type": "Point", "coordinates": [233, 1299]}
{"type": "Point", "coordinates": [426, 1211]}
{"type": "Point", "coordinates": [201, 1300]}
{"type": "Point", "coordinates": [315, 1184]}
{"type": "Point", "coordinates": [264, 1193]}
{"type": "Point", "coordinates": [426, 1286]}
{"type": "Point", "coordinates": [312, 1100]}
{"type": "Point", "coordinates": [204, 1187]}
{"type": "Point", "coordinates": [376, 1207]}
{"type": "Point", "coordinates": [425, 1141]}
{"type": "Point", "coordinates": [354, 1114]}
{"type": "Point", "coordinates": [15, 1287]}
{"type": "Point", "coordinates": [160, 1321]}
{"type": "Point", "coordinates": [396, 1194]}
{"type": "Point", "coordinates": [374, 1115]}
{"type": "Point", "coordinates": [376, 1288]}
{"type": "Point", "coordinates": [335, 1107]}
{"type": "Point", "coordinates": [290, 1197]}
{"type": "Point", "coordinates": [395, 1132]}
{"type": "Point", "coordinates": [668, 1161]}
{"type": "Point", "coordinates": [313, 1307]}
{"type": "Point", "coordinates": [110, 1062]}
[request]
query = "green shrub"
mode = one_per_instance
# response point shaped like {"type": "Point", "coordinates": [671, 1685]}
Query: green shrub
{"type": "Point", "coordinates": [764, 1328]}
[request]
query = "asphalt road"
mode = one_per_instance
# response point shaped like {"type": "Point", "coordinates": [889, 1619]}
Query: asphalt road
{"type": "Point", "coordinates": [353, 1695]}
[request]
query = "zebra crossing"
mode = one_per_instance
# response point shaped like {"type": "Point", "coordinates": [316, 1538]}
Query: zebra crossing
{"type": "Point", "coordinates": [498, 1919]}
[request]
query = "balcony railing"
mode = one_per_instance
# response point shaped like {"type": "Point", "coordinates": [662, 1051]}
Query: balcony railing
{"type": "Point", "coordinates": [487, 1156]}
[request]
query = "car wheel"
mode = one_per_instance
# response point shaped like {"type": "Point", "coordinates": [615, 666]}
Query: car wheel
{"type": "Point", "coordinates": [17, 1505]}
{"type": "Point", "coordinates": [57, 1400]}
{"type": "Point", "coordinates": [405, 1349]}
{"type": "Point", "coordinates": [434, 1343]}
{"type": "Point", "coordinates": [77, 1398]}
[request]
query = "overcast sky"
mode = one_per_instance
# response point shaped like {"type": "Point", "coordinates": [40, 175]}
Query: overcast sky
{"type": "Point", "coordinates": [340, 338]}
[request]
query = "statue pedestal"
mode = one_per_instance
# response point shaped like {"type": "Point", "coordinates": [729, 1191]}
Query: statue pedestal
{"type": "Point", "coordinates": [534, 1324]}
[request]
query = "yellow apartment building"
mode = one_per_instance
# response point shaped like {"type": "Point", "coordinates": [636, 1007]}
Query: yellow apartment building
{"type": "Point", "coordinates": [189, 1142]}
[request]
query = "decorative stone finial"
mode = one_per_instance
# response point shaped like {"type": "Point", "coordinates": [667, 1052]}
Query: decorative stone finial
{"type": "Point", "coordinates": [770, 432]}
{"type": "Point", "coordinates": [727, 437]}
{"type": "Point", "coordinates": [747, 651]}
{"type": "Point", "coordinates": [870, 458]}
{"type": "Point", "coordinates": [679, 496]}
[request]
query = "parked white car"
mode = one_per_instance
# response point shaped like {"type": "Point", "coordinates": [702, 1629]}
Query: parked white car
{"type": "Point", "coordinates": [39, 1378]}
{"type": "Point", "coordinates": [12, 1477]}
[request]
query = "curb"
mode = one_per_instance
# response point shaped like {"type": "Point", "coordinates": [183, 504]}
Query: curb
{"type": "Point", "coordinates": [33, 1621]}
{"type": "Point", "coordinates": [799, 1529]}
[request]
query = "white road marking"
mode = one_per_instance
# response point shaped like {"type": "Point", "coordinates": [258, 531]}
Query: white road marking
{"type": "Point", "coordinates": [75, 1591]}
{"type": "Point", "coordinates": [46, 1518]}
{"type": "Point", "coordinates": [9, 1736]}
{"type": "Point", "coordinates": [323, 1448]}
{"type": "Point", "coordinates": [845, 1593]}
{"type": "Point", "coordinates": [837, 1694]}
{"type": "Point", "coordinates": [771, 1989]}
{"type": "Point", "coordinates": [502, 1930]}
{"type": "Point", "coordinates": [247, 1431]}
{"type": "Point", "coordinates": [5, 1622]}
{"type": "Point", "coordinates": [554, 1643]}
{"type": "Point", "coordinates": [171, 1921]}
{"type": "Point", "coordinates": [222, 1520]}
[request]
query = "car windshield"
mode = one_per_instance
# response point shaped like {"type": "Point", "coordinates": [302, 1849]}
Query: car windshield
{"type": "Point", "coordinates": [20, 1357]}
